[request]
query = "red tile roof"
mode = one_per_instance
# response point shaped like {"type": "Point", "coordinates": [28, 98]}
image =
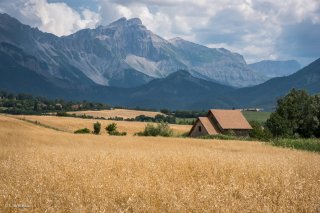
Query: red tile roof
{"type": "Point", "coordinates": [231, 119]}
{"type": "Point", "coordinates": [208, 125]}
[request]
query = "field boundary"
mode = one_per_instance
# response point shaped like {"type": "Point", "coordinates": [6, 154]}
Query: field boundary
{"type": "Point", "coordinates": [37, 123]}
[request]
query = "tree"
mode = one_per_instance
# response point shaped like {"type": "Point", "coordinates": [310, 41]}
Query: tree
{"type": "Point", "coordinates": [36, 106]}
{"type": "Point", "coordinates": [317, 105]}
{"type": "Point", "coordinates": [165, 111]}
{"type": "Point", "coordinates": [96, 128]}
{"type": "Point", "coordinates": [279, 126]}
{"type": "Point", "coordinates": [296, 115]}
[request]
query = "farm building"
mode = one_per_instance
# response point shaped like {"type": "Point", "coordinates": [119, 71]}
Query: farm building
{"type": "Point", "coordinates": [221, 122]}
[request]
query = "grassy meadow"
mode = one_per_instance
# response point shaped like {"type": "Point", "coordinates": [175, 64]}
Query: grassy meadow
{"type": "Point", "coordinates": [56, 171]}
{"type": "Point", "coordinates": [310, 144]}
{"type": "Point", "coordinates": [256, 116]}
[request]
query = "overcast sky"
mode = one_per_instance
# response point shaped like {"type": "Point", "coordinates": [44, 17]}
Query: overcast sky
{"type": "Point", "coordinates": [257, 29]}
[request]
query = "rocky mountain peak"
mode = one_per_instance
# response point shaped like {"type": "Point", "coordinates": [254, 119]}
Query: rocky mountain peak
{"type": "Point", "coordinates": [122, 22]}
{"type": "Point", "coordinates": [134, 21]}
{"type": "Point", "coordinates": [118, 22]}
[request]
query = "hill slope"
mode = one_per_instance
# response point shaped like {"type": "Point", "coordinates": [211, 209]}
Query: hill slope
{"type": "Point", "coordinates": [274, 69]}
{"type": "Point", "coordinates": [180, 90]}
{"type": "Point", "coordinates": [266, 94]}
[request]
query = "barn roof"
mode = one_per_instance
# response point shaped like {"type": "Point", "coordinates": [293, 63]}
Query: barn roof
{"type": "Point", "coordinates": [208, 125]}
{"type": "Point", "coordinates": [230, 119]}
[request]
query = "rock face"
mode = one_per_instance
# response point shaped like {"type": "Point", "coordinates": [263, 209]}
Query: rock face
{"type": "Point", "coordinates": [273, 69]}
{"type": "Point", "coordinates": [219, 65]}
{"type": "Point", "coordinates": [123, 54]}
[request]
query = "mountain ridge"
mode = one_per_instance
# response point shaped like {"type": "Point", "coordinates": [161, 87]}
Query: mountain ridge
{"type": "Point", "coordinates": [107, 55]}
{"type": "Point", "coordinates": [273, 69]}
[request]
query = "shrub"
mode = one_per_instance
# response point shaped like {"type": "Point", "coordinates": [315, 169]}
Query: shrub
{"type": "Point", "coordinates": [161, 129]}
{"type": "Point", "coordinates": [116, 133]}
{"type": "Point", "coordinates": [112, 130]}
{"type": "Point", "coordinates": [62, 114]}
{"type": "Point", "coordinates": [220, 137]}
{"type": "Point", "coordinates": [303, 144]}
{"type": "Point", "coordinates": [230, 132]}
{"type": "Point", "coordinates": [259, 132]}
{"type": "Point", "coordinates": [96, 128]}
{"type": "Point", "coordinates": [111, 127]}
{"type": "Point", "coordinates": [82, 131]}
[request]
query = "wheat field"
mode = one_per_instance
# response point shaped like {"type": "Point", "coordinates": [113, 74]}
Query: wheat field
{"type": "Point", "coordinates": [43, 170]}
{"type": "Point", "coordinates": [70, 124]}
{"type": "Point", "coordinates": [124, 113]}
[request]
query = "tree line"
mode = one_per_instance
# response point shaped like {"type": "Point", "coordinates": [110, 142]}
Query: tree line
{"type": "Point", "coordinates": [27, 104]}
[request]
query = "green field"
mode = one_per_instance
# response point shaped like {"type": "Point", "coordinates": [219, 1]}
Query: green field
{"type": "Point", "coordinates": [256, 116]}
{"type": "Point", "coordinates": [185, 120]}
{"type": "Point", "coordinates": [311, 144]}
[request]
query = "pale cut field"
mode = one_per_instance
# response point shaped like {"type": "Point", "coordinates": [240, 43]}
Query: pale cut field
{"type": "Point", "coordinates": [44, 170]}
{"type": "Point", "coordinates": [70, 124]}
{"type": "Point", "coordinates": [124, 113]}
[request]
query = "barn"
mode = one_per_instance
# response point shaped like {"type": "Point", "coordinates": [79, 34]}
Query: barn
{"type": "Point", "coordinates": [221, 122]}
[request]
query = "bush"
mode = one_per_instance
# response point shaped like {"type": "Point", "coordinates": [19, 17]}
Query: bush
{"type": "Point", "coordinates": [220, 137]}
{"type": "Point", "coordinates": [116, 133]}
{"type": "Point", "coordinates": [96, 128]}
{"type": "Point", "coordinates": [259, 132]}
{"type": "Point", "coordinates": [82, 131]}
{"type": "Point", "coordinates": [62, 114]}
{"type": "Point", "coordinates": [303, 144]}
{"type": "Point", "coordinates": [230, 132]}
{"type": "Point", "coordinates": [161, 129]}
{"type": "Point", "coordinates": [111, 127]}
{"type": "Point", "coordinates": [112, 130]}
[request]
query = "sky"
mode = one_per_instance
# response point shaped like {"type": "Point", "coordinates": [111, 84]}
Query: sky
{"type": "Point", "coordinates": [257, 29]}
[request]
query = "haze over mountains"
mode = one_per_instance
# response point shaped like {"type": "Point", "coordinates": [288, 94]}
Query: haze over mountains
{"type": "Point", "coordinates": [273, 69]}
{"type": "Point", "coordinates": [126, 64]}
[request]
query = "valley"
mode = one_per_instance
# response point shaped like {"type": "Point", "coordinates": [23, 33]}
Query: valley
{"type": "Point", "coordinates": [125, 64]}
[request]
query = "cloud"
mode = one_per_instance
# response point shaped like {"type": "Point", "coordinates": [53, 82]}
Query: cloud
{"type": "Point", "coordinates": [301, 39]}
{"type": "Point", "coordinates": [57, 18]}
{"type": "Point", "coordinates": [257, 29]}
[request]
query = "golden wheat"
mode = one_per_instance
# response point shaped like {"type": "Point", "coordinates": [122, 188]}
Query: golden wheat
{"type": "Point", "coordinates": [47, 170]}
{"type": "Point", "coordinates": [71, 124]}
{"type": "Point", "coordinates": [124, 113]}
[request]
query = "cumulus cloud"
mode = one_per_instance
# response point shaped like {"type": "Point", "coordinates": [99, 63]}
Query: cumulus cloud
{"type": "Point", "coordinates": [57, 18]}
{"type": "Point", "coordinates": [252, 28]}
{"type": "Point", "coordinates": [257, 29]}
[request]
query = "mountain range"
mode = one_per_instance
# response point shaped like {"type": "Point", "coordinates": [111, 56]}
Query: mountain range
{"type": "Point", "coordinates": [183, 91]}
{"type": "Point", "coordinates": [273, 69]}
{"type": "Point", "coordinates": [126, 64]}
{"type": "Point", "coordinates": [123, 54]}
